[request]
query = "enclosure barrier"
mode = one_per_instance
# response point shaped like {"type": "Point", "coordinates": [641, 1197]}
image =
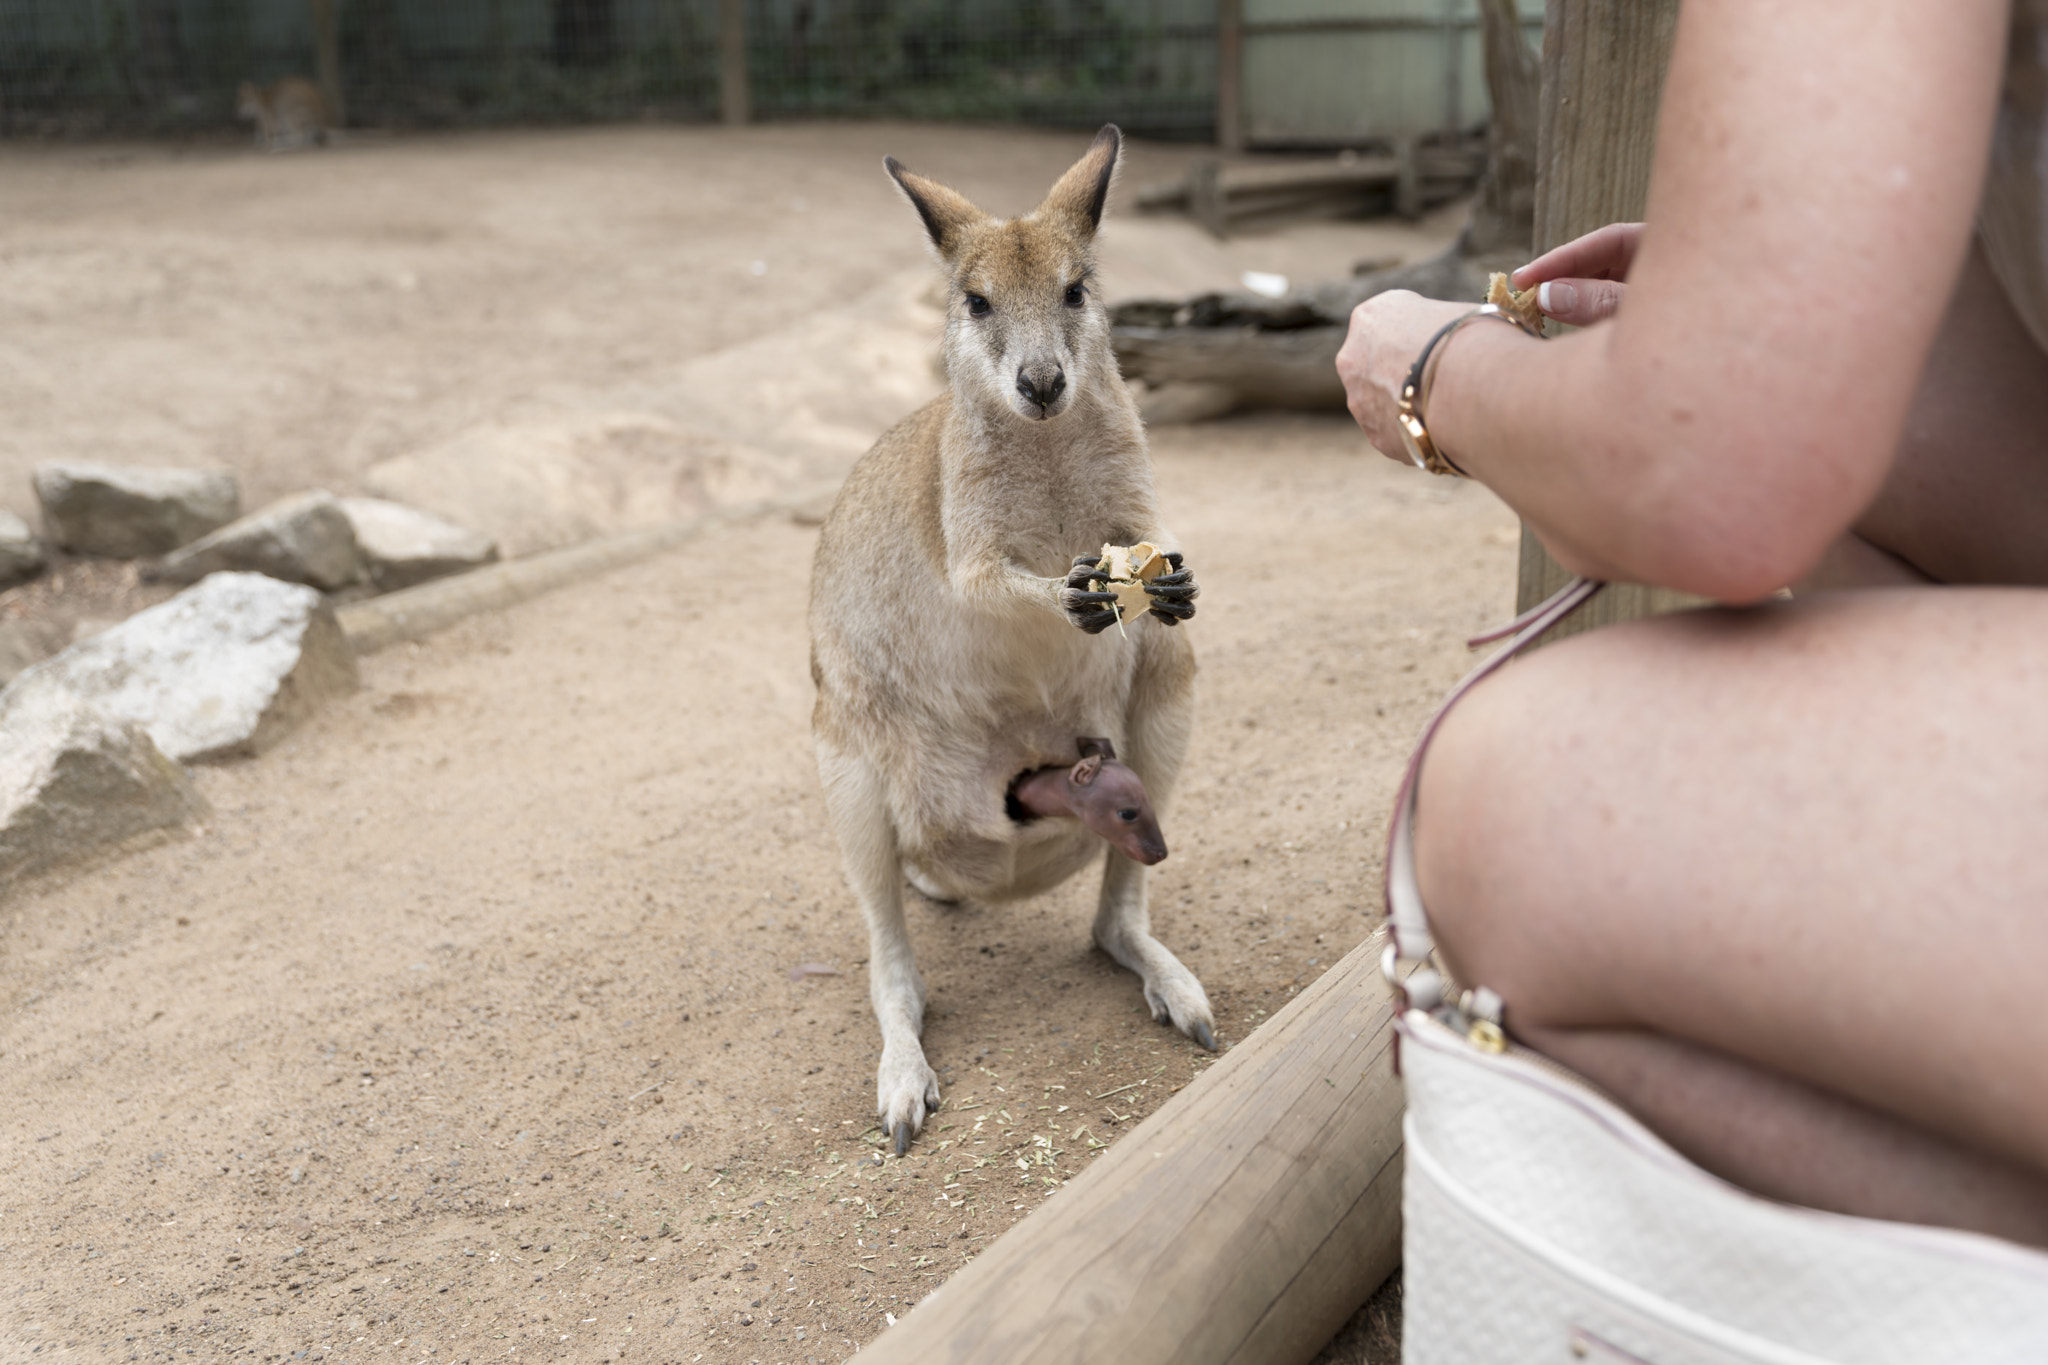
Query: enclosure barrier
{"type": "Point", "coordinates": [1243, 1223]}
{"type": "Point", "coordinates": [173, 65]}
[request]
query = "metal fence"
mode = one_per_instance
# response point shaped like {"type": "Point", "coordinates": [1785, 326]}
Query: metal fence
{"type": "Point", "coordinates": [83, 66]}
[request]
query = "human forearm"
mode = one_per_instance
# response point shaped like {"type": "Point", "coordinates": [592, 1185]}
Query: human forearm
{"type": "Point", "coordinates": [1744, 406]}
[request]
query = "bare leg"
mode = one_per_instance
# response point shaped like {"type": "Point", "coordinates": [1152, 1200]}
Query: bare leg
{"type": "Point", "coordinates": [906, 1087]}
{"type": "Point", "coordinates": [1791, 1141]}
{"type": "Point", "coordinates": [1802, 837]}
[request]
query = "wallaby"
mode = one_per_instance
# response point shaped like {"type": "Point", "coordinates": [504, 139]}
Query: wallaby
{"type": "Point", "coordinates": [959, 655]}
{"type": "Point", "coordinates": [291, 113]}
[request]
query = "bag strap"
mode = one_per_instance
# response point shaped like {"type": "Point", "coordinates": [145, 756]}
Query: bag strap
{"type": "Point", "coordinates": [1408, 936]}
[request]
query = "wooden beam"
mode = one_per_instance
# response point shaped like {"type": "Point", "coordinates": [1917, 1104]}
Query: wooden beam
{"type": "Point", "coordinates": [735, 98]}
{"type": "Point", "coordinates": [1603, 78]}
{"type": "Point", "coordinates": [1230, 75]}
{"type": "Point", "coordinates": [1243, 1222]}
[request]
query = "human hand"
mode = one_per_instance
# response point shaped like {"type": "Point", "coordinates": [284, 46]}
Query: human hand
{"type": "Point", "coordinates": [1581, 282]}
{"type": "Point", "coordinates": [1387, 332]}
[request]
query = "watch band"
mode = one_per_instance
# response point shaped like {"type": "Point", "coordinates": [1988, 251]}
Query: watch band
{"type": "Point", "coordinates": [1414, 434]}
{"type": "Point", "coordinates": [1422, 451]}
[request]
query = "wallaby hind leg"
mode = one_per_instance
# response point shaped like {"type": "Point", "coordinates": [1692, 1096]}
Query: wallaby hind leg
{"type": "Point", "coordinates": [1155, 740]}
{"type": "Point", "coordinates": [906, 1088]}
{"type": "Point", "coordinates": [1123, 929]}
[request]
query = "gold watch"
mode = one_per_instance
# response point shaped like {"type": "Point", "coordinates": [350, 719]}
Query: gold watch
{"type": "Point", "coordinates": [1422, 451]}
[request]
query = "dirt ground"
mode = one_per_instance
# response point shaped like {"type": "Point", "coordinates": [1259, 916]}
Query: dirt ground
{"type": "Point", "coordinates": [472, 1027]}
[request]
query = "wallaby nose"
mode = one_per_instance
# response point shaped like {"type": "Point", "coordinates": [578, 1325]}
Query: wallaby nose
{"type": "Point", "coordinates": [1038, 389]}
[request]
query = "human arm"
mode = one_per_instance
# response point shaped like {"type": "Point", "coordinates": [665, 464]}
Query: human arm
{"type": "Point", "coordinates": [1806, 223]}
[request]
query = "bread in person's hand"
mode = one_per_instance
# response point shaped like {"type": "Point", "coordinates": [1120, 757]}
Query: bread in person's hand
{"type": "Point", "coordinates": [1517, 304]}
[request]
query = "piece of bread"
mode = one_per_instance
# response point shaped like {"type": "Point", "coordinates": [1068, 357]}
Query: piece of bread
{"type": "Point", "coordinates": [1519, 305]}
{"type": "Point", "coordinates": [1125, 570]}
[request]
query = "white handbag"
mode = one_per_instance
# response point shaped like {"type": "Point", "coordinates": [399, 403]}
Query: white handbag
{"type": "Point", "coordinates": [1543, 1223]}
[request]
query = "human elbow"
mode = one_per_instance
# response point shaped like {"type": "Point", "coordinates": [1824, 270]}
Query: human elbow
{"type": "Point", "coordinates": [1744, 545]}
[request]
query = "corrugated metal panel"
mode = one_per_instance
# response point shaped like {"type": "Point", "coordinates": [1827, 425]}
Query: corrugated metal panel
{"type": "Point", "coordinates": [1343, 72]}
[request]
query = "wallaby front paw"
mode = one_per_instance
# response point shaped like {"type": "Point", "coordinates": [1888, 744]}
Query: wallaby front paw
{"type": "Point", "coordinates": [1173, 600]}
{"type": "Point", "coordinates": [1092, 611]}
{"type": "Point", "coordinates": [1178, 999]}
{"type": "Point", "coordinates": [906, 1092]}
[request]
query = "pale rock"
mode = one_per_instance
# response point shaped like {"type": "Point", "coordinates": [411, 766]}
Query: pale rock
{"type": "Point", "coordinates": [19, 651]}
{"type": "Point", "coordinates": [305, 538]}
{"type": "Point", "coordinates": [73, 781]}
{"type": "Point", "coordinates": [222, 670]}
{"type": "Point", "coordinates": [126, 512]}
{"type": "Point", "coordinates": [402, 546]}
{"type": "Point", "coordinates": [20, 556]}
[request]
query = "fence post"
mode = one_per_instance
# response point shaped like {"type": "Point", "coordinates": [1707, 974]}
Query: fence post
{"type": "Point", "coordinates": [1603, 77]}
{"type": "Point", "coordinates": [735, 101]}
{"type": "Point", "coordinates": [327, 59]}
{"type": "Point", "coordinates": [1230, 75]}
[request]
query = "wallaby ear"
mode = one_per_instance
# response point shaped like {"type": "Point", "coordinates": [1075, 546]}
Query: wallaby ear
{"type": "Point", "coordinates": [944, 212]}
{"type": "Point", "coordinates": [1078, 199]}
{"type": "Point", "coordinates": [1096, 748]}
{"type": "Point", "coordinates": [1086, 771]}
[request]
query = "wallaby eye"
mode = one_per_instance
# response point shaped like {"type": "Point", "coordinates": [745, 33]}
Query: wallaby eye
{"type": "Point", "coordinates": [1076, 296]}
{"type": "Point", "coordinates": [977, 305]}
{"type": "Point", "coordinates": [1127, 815]}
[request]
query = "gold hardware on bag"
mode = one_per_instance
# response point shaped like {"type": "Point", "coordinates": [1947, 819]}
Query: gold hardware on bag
{"type": "Point", "coordinates": [1487, 1036]}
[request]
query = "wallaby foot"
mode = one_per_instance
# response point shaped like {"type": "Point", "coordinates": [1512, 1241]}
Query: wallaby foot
{"type": "Point", "coordinates": [1171, 990]}
{"type": "Point", "coordinates": [906, 1092]}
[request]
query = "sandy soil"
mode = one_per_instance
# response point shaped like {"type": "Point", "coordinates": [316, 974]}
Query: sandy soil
{"type": "Point", "coordinates": [471, 1027]}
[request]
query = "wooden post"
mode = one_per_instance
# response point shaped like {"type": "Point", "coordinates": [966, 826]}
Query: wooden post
{"type": "Point", "coordinates": [1230, 75]}
{"type": "Point", "coordinates": [1603, 76]}
{"type": "Point", "coordinates": [327, 59]}
{"type": "Point", "coordinates": [1244, 1222]}
{"type": "Point", "coordinates": [1207, 204]}
{"type": "Point", "coordinates": [735, 100]}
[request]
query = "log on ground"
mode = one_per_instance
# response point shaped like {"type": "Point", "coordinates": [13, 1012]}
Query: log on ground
{"type": "Point", "coordinates": [1244, 1222]}
{"type": "Point", "coordinates": [1274, 353]}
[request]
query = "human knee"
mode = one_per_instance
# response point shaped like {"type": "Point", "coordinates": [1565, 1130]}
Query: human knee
{"type": "Point", "coordinates": [1483, 797]}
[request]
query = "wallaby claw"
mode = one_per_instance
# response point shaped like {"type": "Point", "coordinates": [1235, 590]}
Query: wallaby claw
{"type": "Point", "coordinates": [1173, 594]}
{"type": "Point", "coordinates": [1083, 607]}
{"type": "Point", "coordinates": [1206, 1036]}
{"type": "Point", "coordinates": [903, 1134]}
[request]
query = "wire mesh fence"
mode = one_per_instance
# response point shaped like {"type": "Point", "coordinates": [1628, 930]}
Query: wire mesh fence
{"type": "Point", "coordinates": [170, 65]}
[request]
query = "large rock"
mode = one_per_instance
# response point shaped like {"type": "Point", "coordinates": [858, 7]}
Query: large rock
{"type": "Point", "coordinates": [402, 545]}
{"type": "Point", "coordinates": [305, 538]}
{"type": "Point", "coordinates": [20, 555]}
{"type": "Point", "coordinates": [19, 651]}
{"type": "Point", "coordinates": [222, 670]}
{"type": "Point", "coordinates": [73, 780]}
{"type": "Point", "coordinates": [125, 512]}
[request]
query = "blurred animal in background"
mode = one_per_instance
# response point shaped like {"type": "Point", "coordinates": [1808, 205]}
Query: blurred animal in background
{"type": "Point", "coordinates": [289, 114]}
{"type": "Point", "coordinates": [971, 638]}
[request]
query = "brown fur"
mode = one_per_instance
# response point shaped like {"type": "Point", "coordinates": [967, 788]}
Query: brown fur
{"type": "Point", "coordinates": [944, 659]}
